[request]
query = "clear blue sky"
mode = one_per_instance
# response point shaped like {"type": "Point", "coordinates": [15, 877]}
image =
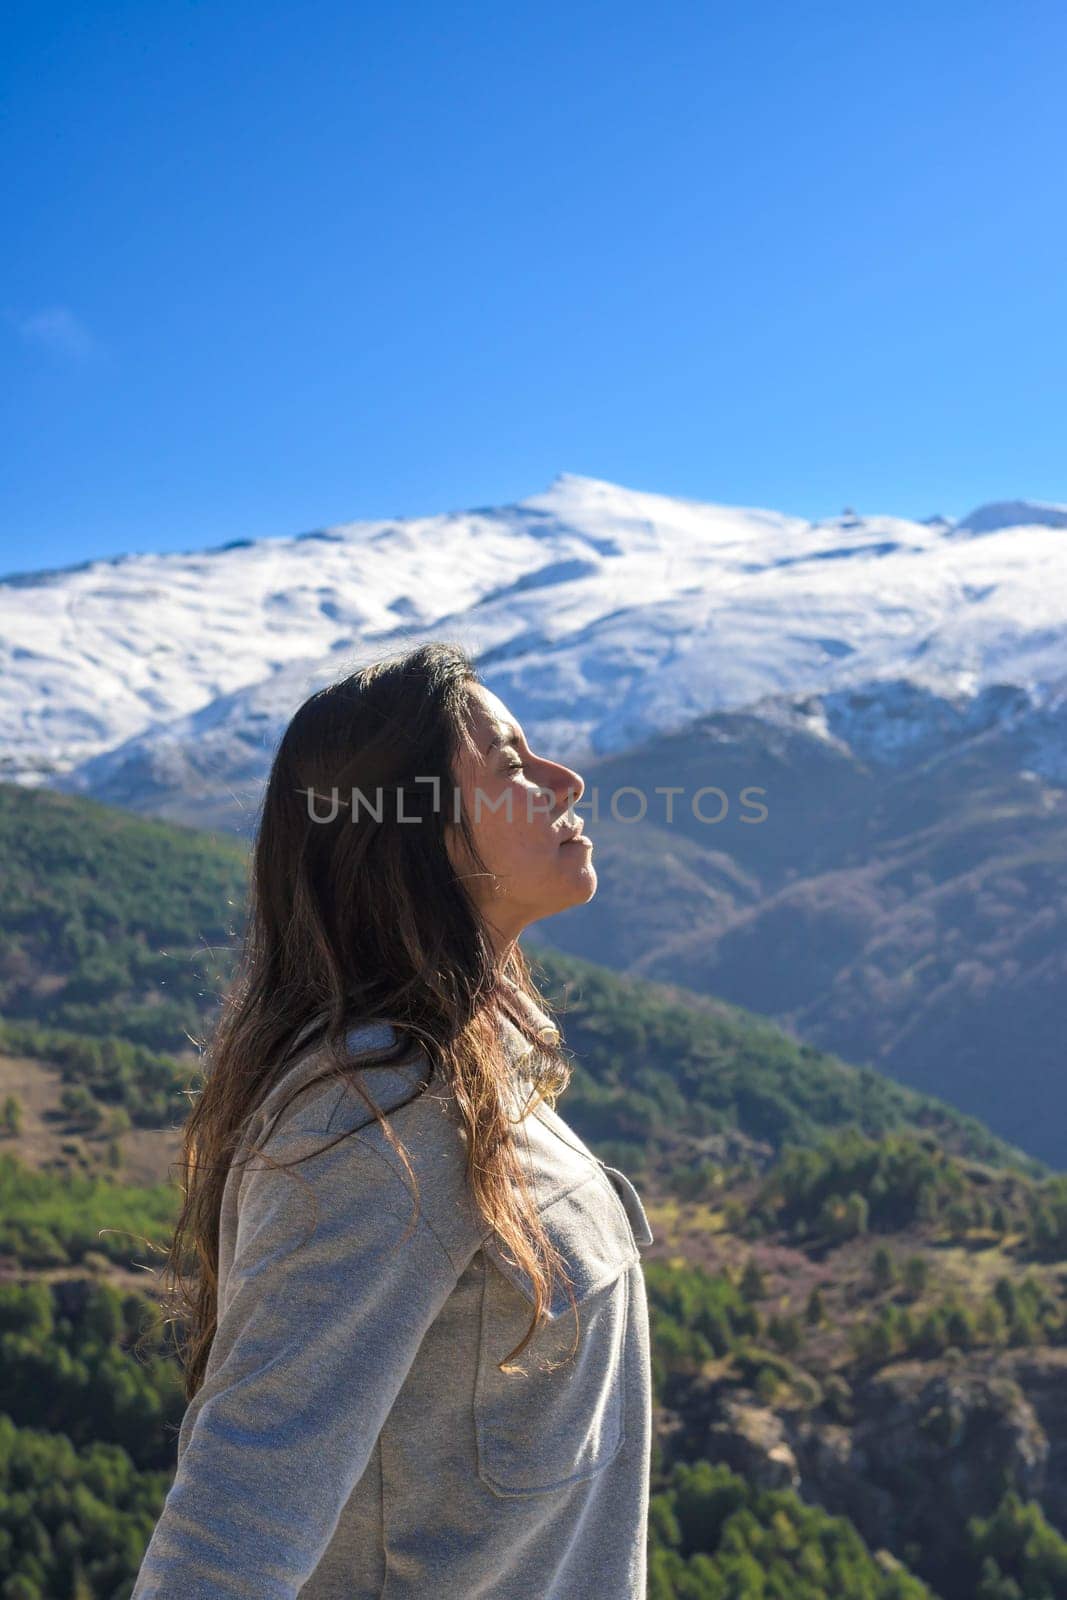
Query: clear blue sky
{"type": "Point", "coordinates": [272, 266]}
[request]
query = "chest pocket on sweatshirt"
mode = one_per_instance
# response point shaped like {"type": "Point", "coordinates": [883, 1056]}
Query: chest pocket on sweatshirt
{"type": "Point", "coordinates": [539, 1430]}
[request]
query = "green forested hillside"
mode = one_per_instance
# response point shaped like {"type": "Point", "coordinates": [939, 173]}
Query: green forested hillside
{"type": "Point", "coordinates": [110, 924]}
{"type": "Point", "coordinates": [117, 935]}
{"type": "Point", "coordinates": [908, 914]}
{"type": "Point", "coordinates": [858, 1296]}
{"type": "Point", "coordinates": [653, 1059]}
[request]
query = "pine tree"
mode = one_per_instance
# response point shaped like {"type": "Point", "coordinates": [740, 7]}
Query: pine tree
{"type": "Point", "coordinates": [883, 1269]}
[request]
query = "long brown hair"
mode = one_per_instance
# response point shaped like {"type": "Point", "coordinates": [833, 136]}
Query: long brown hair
{"type": "Point", "coordinates": [361, 921]}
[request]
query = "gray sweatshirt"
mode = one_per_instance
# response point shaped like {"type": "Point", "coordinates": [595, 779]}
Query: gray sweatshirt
{"type": "Point", "coordinates": [353, 1437]}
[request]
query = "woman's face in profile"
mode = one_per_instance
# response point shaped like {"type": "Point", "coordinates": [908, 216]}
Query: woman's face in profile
{"type": "Point", "coordinates": [519, 808]}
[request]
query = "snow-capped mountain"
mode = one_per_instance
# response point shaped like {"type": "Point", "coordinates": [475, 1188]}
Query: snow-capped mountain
{"type": "Point", "coordinates": [894, 690]}
{"type": "Point", "coordinates": [602, 615]}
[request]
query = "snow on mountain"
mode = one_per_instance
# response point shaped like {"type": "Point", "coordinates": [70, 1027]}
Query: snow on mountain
{"type": "Point", "coordinates": [1013, 514]}
{"type": "Point", "coordinates": [601, 614]}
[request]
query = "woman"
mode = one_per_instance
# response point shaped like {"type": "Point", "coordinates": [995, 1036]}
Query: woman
{"type": "Point", "coordinates": [417, 1358]}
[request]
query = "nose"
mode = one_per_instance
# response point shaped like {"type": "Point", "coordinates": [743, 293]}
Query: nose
{"type": "Point", "coordinates": [567, 786]}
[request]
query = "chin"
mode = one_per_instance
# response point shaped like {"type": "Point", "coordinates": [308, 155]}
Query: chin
{"type": "Point", "coordinates": [583, 886]}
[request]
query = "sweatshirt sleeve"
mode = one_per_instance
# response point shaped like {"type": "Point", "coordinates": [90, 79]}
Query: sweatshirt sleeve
{"type": "Point", "coordinates": [323, 1312]}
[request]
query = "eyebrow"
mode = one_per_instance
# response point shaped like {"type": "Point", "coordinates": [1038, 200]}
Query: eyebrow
{"type": "Point", "coordinates": [509, 734]}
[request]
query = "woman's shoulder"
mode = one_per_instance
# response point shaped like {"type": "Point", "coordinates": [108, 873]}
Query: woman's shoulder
{"type": "Point", "coordinates": [310, 1093]}
{"type": "Point", "coordinates": [318, 1105]}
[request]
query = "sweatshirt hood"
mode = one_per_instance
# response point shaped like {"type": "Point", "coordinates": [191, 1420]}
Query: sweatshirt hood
{"type": "Point", "coordinates": [518, 1047]}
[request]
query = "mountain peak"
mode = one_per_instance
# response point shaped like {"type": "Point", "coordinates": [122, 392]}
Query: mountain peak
{"type": "Point", "coordinates": [578, 483]}
{"type": "Point", "coordinates": [1013, 514]}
